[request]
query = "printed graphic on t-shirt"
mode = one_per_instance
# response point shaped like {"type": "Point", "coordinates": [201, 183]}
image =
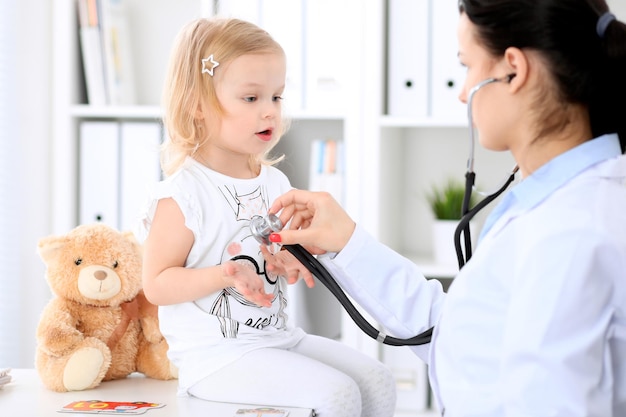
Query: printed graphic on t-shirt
{"type": "Point", "coordinates": [230, 307]}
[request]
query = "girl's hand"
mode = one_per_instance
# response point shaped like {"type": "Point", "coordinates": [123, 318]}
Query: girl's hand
{"type": "Point", "coordinates": [247, 283]}
{"type": "Point", "coordinates": [285, 264]}
{"type": "Point", "coordinates": [317, 221]}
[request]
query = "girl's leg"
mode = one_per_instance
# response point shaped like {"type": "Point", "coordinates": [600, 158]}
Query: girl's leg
{"type": "Point", "coordinates": [278, 377]}
{"type": "Point", "coordinates": [375, 380]}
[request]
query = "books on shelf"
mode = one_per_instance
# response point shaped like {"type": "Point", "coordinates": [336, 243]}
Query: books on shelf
{"type": "Point", "coordinates": [106, 52]}
{"type": "Point", "coordinates": [91, 48]}
{"type": "Point", "coordinates": [326, 167]}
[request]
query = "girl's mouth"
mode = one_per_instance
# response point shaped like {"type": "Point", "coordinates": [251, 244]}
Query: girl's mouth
{"type": "Point", "coordinates": [265, 135]}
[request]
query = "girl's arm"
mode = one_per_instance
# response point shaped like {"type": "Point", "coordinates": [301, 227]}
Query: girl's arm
{"type": "Point", "coordinates": [165, 278]}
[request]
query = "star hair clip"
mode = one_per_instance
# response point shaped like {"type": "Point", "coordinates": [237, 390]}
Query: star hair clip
{"type": "Point", "coordinates": [212, 63]}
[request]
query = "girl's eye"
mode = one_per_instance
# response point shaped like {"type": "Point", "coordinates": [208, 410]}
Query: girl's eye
{"type": "Point", "coordinates": [249, 99]}
{"type": "Point", "coordinates": [278, 98]}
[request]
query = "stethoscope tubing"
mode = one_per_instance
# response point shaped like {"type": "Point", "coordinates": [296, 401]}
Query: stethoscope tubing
{"type": "Point", "coordinates": [320, 272]}
{"type": "Point", "coordinates": [468, 214]}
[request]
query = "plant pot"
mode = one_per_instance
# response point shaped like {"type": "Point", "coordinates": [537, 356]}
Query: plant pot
{"type": "Point", "coordinates": [444, 252]}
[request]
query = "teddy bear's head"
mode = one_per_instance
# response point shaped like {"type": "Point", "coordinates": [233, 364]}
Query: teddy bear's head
{"type": "Point", "coordinates": [93, 264]}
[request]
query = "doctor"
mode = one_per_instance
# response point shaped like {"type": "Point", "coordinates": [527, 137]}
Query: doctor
{"type": "Point", "coordinates": [535, 323]}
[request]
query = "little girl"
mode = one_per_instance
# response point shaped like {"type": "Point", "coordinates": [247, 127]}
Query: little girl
{"type": "Point", "coordinates": [222, 313]}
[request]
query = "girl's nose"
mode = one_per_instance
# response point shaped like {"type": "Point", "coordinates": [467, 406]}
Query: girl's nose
{"type": "Point", "coordinates": [270, 110]}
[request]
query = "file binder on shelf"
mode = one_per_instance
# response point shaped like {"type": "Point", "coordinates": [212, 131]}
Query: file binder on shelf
{"type": "Point", "coordinates": [99, 172]}
{"type": "Point", "coordinates": [139, 168]}
{"type": "Point", "coordinates": [248, 10]}
{"type": "Point", "coordinates": [408, 74]}
{"type": "Point", "coordinates": [448, 75]}
{"type": "Point", "coordinates": [326, 75]}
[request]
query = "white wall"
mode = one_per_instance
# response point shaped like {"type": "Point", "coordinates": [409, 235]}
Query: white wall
{"type": "Point", "coordinates": [618, 7]}
{"type": "Point", "coordinates": [32, 146]}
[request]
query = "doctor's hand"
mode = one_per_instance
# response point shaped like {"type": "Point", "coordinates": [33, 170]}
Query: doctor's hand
{"type": "Point", "coordinates": [285, 264]}
{"type": "Point", "coordinates": [246, 281]}
{"type": "Point", "coordinates": [316, 221]}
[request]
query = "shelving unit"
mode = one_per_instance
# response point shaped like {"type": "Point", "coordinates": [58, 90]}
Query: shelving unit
{"type": "Point", "coordinates": [154, 25]}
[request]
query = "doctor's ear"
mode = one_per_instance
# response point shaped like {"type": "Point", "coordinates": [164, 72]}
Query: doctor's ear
{"type": "Point", "coordinates": [517, 64]}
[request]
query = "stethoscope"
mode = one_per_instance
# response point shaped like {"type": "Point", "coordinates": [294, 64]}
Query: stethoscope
{"type": "Point", "coordinates": [470, 178]}
{"type": "Point", "coordinates": [261, 228]}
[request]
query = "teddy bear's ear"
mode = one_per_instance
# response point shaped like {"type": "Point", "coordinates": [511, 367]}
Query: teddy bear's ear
{"type": "Point", "coordinates": [49, 246]}
{"type": "Point", "coordinates": [130, 236]}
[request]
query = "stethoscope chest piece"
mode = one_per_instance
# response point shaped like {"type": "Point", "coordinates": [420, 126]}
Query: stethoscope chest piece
{"type": "Point", "coordinates": [261, 227]}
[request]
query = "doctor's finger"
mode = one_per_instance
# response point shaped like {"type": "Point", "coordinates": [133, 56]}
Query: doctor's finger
{"type": "Point", "coordinates": [292, 198]}
{"type": "Point", "coordinates": [309, 238]}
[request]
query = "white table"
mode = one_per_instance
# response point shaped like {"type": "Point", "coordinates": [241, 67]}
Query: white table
{"type": "Point", "coordinates": [25, 395]}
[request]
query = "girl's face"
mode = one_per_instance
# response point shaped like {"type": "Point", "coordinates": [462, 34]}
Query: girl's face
{"type": "Point", "coordinates": [249, 90]}
{"type": "Point", "coordinates": [489, 105]}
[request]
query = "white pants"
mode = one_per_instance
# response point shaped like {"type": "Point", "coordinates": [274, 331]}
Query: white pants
{"type": "Point", "coordinates": [319, 373]}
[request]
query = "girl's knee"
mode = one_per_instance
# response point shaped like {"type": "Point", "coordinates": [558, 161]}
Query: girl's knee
{"type": "Point", "coordinates": [378, 391]}
{"type": "Point", "coordinates": [342, 399]}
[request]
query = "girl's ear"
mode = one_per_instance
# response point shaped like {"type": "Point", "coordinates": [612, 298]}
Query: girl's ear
{"type": "Point", "coordinates": [517, 63]}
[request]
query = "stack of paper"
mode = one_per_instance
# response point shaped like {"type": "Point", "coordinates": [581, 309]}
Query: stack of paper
{"type": "Point", "coordinates": [5, 378]}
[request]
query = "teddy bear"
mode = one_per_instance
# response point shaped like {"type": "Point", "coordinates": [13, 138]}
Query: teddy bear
{"type": "Point", "coordinates": [99, 326]}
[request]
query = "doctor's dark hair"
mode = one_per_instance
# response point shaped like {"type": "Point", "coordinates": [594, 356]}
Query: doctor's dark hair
{"type": "Point", "coordinates": [588, 64]}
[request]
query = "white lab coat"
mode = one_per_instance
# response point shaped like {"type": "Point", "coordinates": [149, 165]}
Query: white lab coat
{"type": "Point", "coordinates": [535, 323]}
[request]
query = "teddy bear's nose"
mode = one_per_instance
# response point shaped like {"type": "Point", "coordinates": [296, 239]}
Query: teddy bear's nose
{"type": "Point", "coordinates": [100, 275]}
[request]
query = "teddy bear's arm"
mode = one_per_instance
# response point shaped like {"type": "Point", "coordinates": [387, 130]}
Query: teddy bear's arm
{"type": "Point", "coordinates": [57, 331]}
{"type": "Point", "coordinates": [148, 317]}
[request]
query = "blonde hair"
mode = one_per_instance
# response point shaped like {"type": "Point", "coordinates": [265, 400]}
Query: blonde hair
{"type": "Point", "coordinates": [186, 88]}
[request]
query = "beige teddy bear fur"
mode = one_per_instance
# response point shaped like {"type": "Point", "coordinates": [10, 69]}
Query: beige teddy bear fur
{"type": "Point", "coordinates": [99, 325]}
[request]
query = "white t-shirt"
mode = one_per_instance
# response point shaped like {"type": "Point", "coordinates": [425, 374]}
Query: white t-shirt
{"type": "Point", "coordinates": [211, 332]}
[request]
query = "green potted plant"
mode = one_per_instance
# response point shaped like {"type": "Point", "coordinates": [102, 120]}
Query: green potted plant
{"type": "Point", "coordinates": [446, 204]}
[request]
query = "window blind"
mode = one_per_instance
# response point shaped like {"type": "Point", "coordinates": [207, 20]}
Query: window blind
{"type": "Point", "coordinates": [10, 285]}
